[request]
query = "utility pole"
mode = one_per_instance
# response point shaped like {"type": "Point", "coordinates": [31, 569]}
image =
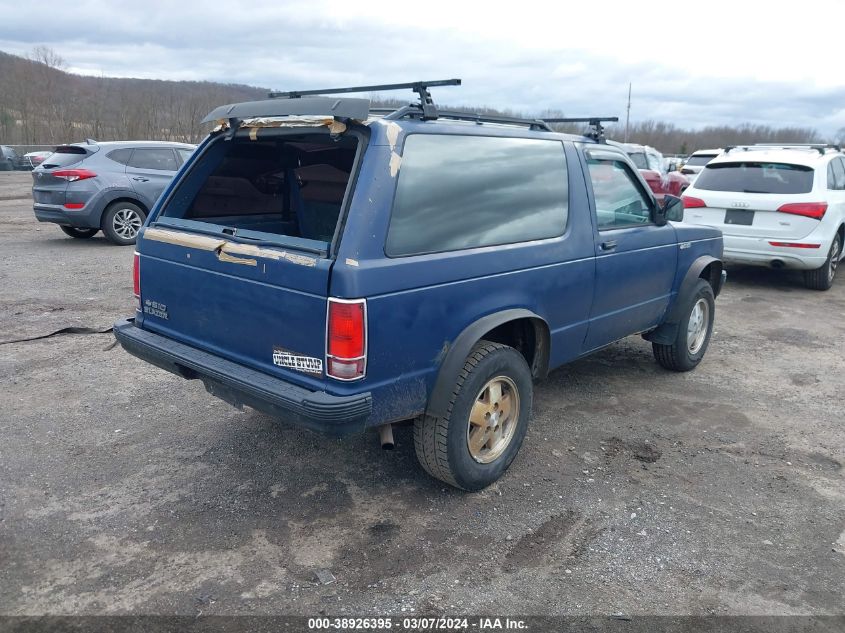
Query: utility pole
{"type": "Point", "coordinates": [628, 115]}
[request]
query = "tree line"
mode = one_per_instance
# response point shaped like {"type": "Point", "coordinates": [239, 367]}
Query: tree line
{"type": "Point", "coordinates": [42, 104]}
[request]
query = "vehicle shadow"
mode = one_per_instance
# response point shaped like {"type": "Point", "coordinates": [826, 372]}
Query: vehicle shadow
{"type": "Point", "coordinates": [757, 276]}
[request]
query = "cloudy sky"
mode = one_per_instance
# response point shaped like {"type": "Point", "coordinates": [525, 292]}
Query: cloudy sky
{"type": "Point", "coordinates": [690, 63]}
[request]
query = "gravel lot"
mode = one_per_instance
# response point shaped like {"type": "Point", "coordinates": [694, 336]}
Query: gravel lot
{"type": "Point", "coordinates": [126, 489]}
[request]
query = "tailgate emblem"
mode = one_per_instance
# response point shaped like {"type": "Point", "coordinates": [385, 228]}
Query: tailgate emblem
{"type": "Point", "coordinates": [741, 205]}
{"type": "Point", "coordinates": [290, 360]}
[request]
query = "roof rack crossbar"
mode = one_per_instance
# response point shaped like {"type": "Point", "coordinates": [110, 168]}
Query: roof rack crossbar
{"type": "Point", "coordinates": [595, 122]}
{"type": "Point", "coordinates": [426, 104]}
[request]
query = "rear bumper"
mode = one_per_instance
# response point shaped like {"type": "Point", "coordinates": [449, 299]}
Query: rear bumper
{"type": "Point", "coordinates": [758, 252]}
{"type": "Point", "coordinates": [85, 218]}
{"type": "Point", "coordinates": [239, 385]}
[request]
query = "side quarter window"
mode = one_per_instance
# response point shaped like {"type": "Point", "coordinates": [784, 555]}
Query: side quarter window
{"type": "Point", "coordinates": [619, 200]}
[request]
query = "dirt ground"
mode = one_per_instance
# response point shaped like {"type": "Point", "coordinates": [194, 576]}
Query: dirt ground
{"type": "Point", "coordinates": [124, 489]}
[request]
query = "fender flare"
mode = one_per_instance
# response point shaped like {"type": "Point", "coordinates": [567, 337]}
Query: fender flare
{"type": "Point", "coordinates": [666, 332]}
{"type": "Point", "coordinates": [460, 348]}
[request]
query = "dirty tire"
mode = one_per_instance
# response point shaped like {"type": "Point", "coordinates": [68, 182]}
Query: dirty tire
{"type": "Point", "coordinates": [683, 354]}
{"type": "Point", "coordinates": [118, 218]}
{"type": "Point", "coordinates": [442, 443]}
{"type": "Point", "coordinates": [822, 278]}
{"type": "Point", "coordinates": [82, 234]}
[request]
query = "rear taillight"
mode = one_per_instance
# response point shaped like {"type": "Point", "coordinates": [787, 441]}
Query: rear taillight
{"type": "Point", "coordinates": [136, 278]}
{"type": "Point", "coordinates": [813, 210]}
{"type": "Point", "coordinates": [72, 175]}
{"type": "Point", "coordinates": [346, 339]}
{"type": "Point", "coordinates": [693, 203]}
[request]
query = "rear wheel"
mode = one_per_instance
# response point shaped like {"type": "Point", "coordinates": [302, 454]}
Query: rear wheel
{"type": "Point", "coordinates": [694, 330]}
{"type": "Point", "coordinates": [122, 221]}
{"type": "Point", "coordinates": [822, 278]}
{"type": "Point", "coordinates": [485, 422]}
{"type": "Point", "coordinates": [82, 234]}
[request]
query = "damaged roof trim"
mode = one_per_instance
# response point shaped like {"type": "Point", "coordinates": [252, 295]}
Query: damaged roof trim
{"type": "Point", "coordinates": [254, 124]}
{"type": "Point", "coordinates": [343, 108]}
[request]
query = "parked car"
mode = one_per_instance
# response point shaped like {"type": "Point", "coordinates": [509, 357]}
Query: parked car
{"type": "Point", "coordinates": [88, 187]}
{"type": "Point", "coordinates": [778, 206]}
{"type": "Point", "coordinates": [8, 156]}
{"type": "Point", "coordinates": [652, 166]}
{"type": "Point", "coordinates": [31, 160]}
{"type": "Point", "coordinates": [696, 162]}
{"type": "Point", "coordinates": [423, 266]}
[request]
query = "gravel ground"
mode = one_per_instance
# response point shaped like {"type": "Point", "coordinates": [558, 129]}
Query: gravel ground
{"type": "Point", "coordinates": [124, 489]}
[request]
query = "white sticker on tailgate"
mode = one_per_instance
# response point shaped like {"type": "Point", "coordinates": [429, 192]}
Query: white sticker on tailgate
{"type": "Point", "coordinates": [289, 360]}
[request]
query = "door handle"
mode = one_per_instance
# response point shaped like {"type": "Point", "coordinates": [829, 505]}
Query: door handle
{"type": "Point", "coordinates": [140, 179]}
{"type": "Point", "coordinates": [609, 245]}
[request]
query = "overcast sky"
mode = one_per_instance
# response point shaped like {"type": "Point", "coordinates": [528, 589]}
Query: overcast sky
{"type": "Point", "coordinates": [691, 63]}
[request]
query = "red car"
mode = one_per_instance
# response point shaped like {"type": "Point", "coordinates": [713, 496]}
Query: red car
{"type": "Point", "coordinates": [651, 164]}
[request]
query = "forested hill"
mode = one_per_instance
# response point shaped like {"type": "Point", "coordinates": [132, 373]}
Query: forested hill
{"type": "Point", "coordinates": [42, 104]}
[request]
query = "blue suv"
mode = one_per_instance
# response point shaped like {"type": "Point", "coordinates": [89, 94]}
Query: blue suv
{"type": "Point", "coordinates": [345, 269]}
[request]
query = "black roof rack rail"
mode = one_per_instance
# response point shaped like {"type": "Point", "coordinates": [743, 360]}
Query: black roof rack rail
{"type": "Point", "coordinates": [392, 114]}
{"type": "Point", "coordinates": [597, 134]}
{"type": "Point", "coordinates": [426, 104]}
{"type": "Point", "coordinates": [821, 148]}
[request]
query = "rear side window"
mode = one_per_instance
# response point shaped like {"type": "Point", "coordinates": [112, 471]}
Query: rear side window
{"type": "Point", "coordinates": [64, 156]}
{"type": "Point", "coordinates": [161, 159]}
{"type": "Point", "coordinates": [639, 159]}
{"type": "Point", "coordinates": [120, 156]}
{"type": "Point", "coordinates": [756, 177]}
{"type": "Point", "coordinates": [457, 192]}
{"type": "Point", "coordinates": [184, 154]}
{"type": "Point", "coordinates": [836, 174]}
{"type": "Point", "coordinates": [700, 160]}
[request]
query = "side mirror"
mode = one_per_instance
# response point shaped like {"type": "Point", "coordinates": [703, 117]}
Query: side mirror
{"type": "Point", "coordinates": [673, 208]}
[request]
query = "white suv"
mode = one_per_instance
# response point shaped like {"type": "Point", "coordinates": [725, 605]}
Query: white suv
{"type": "Point", "coordinates": [777, 205]}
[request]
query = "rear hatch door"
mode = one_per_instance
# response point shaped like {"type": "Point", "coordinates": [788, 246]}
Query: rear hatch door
{"type": "Point", "coordinates": [50, 189]}
{"type": "Point", "coordinates": [743, 199]}
{"type": "Point", "coordinates": [236, 261]}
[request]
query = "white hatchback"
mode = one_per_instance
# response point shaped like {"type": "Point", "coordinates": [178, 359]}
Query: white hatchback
{"type": "Point", "coordinates": [780, 206]}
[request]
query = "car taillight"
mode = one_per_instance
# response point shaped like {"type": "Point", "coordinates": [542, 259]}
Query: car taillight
{"type": "Point", "coordinates": [346, 339]}
{"type": "Point", "coordinates": [813, 210]}
{"type": "Point", "coordinates": [693, 203]}
{"type": "Point", "coordinates": [72, 175]}
{"type": "Point", "coordinates": [136, 278]}
{"type": "Point", "coordinates": [795, 245]}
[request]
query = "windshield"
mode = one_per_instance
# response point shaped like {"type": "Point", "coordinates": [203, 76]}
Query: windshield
{"type": "Point", "coordinates": [756, 177]}
{"type": "Point", "coordinates": [639, 159]}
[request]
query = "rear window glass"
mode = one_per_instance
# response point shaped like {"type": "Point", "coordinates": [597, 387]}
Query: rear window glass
{"type": "Point", "coordinates": [160, 159]}
{"type": "Point", "coordinates": [700, 160]}
{"type": "Point", "coordinates": [756, 177]}
{"type": "Point", "coordinates": [457, 192]}
{"type": "Point", "coordinates": [64, 156]}
{"type": "Point", "coordinates": [292, 186]}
